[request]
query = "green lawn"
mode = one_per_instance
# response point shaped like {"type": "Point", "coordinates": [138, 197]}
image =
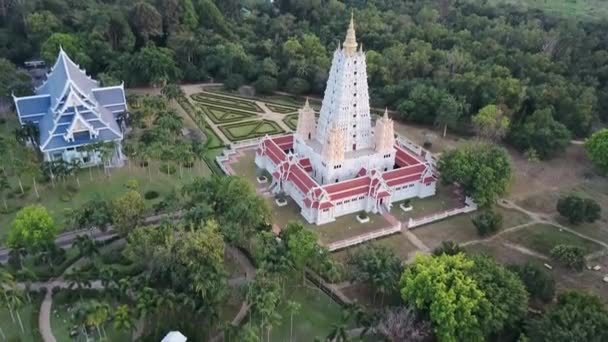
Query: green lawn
{"type": "Point", "coordinates": [460, 228]}
{"type": "Point", "coordinates": [221, 115]}
{"type": "Point", "coordinates": [12, 330]}
{"type": "Point", "coordinates": [62, 324]}
{"type": "Point", "coordinates": [317, 314]}
{"type": "Point", "coordinates": [94, 183]}
{"type": "Point", "coordinates": [444, 199]}
{"type": "Point", "coordinates": [542, 238]}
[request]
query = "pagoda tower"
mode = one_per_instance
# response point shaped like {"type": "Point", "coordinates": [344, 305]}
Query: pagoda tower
{"type": "Point", "coordinates": [384, 134]}
{"type": "Point", "coordinates": [346, 99]}
{"type": "Point", "coordinates": [306, 122]}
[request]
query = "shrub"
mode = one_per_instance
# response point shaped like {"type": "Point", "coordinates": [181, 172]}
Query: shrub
{"type": "Point", "coordinates": [363, 215]}
{"type": "Point", "coordinates": [143, 163]}
{"type": "Point", "coordinates": [427, 144]}
{"type": "Point", "coordinates": [578, 210]}
{"type": "Point", "coordinates": [570, 256]}
{"type": "Point", "coordinates": [65, 197]}
{"type": "Point", "coordinates": [150, 195]}
{"type": "Point", "coordinates": [488, 222]}
{"type": "Point", "coordinates": [234, 82]}
{"type": "Point", "coordinates": [539, 282]}
{"type": "Point", "coordinates": [168, 168]}
{"type": "Point", "coordinates": [265, 85]}
{"type": "Point", "coordinates": [71, 188]}
{"type": "Point", "coordinates": [448, 248]}
{"type": "Point", "coordinates": [132, 184]}
{"type": "Point", "coordinates": [297, 86]}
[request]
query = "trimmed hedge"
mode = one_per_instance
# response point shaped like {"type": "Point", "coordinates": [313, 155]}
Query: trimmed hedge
{"type": "Point", "coordinates": [219, 115]}
{"type": "Point", "coordinates": [291, 121]}
{"type": "Point", "coordinates": [250, 129]}
{"type": "Point", "coordinates": [225, 101]}
{"type": "Point", "coordinates": [281, 109]}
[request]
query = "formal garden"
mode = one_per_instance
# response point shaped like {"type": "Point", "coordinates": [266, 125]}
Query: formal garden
{"type": "Point", "coordinates": [240, 118]}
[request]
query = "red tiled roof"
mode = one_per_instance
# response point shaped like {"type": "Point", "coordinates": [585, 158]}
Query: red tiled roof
{"type": "Point", "coordinates": [362, 172]}
{"type": "Point", "coordinates": [404, 158]}
{"type": "Point", "coordinates": [305, 163]}
{"type": "Point", "coordinates": [274, 152]}
{"type": "Point", "coordinates": [348, 184]}
{"type": "Point", "coordinates": [382, 194]}
{"type": "Point", "coordinates": [284, 142]}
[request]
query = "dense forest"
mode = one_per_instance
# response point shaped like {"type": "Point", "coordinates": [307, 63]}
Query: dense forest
{"type": "Point", "coordinates": [436, 62]}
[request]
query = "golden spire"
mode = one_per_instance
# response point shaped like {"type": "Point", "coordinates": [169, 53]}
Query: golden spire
{"type": "Point", "coordinates": [350, 43]}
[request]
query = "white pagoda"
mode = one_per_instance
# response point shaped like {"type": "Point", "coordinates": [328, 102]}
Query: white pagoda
{"type": "Point", "coordinates": [339, 164]}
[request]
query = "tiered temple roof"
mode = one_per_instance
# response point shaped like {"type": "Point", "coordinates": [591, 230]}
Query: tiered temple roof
{"type": "Point", "coordinates": [70, 104]}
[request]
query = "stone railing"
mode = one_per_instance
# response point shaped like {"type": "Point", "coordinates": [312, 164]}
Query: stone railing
{"type": "Point", "coordinates": [359, 239]}
{"type": "Point", "coordinates": [469, 207]}
{"type": "Point", "coordinates": [410, 145]}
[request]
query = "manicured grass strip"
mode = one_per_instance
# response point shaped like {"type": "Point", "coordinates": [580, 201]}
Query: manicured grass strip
{"type": "Point", "coordinates": [281, 109]}
{"type": "Point", "coordinates": [542, 238]}
{"type": "Point", "coordinates": [250, 129]}
{"type": "Point", "coordinates": [291, 121]}
{"type": "Point", "coordinates": [221, 115]}
{"type": "Point", "coordinates": [230, 102]}
{"type": "Point", "coordinates": [279, 100]}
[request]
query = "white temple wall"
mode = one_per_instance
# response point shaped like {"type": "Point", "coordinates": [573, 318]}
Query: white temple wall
{"type": "Point", "coordinates": [427, 190]}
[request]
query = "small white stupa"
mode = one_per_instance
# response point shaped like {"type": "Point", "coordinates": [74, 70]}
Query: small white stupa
{"type": "Point", "coordinates": [174, 336]}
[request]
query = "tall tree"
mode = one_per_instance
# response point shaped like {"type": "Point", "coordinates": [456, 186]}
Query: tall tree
{"type": "Point", "coordinates": [33, 229]}
{"type": "Point", "coordinates": [127, 212]}
{"type": "Point", "coordinates": [442, 286]}
{"type": "Point", "coordinates": [577, 317]}
{"type": "Point", "coordinates": [482, 170]}
{"type": "Point", "coordinates": [146, 21]}
{"type": "Point", "coordinates": [377, 267]}
{"type": "Point", "coordinates": [597, 149]}
{"type": "Point", "coordinates": [491, 122]}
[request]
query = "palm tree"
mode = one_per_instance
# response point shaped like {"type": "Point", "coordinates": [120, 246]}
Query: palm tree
{"type": "Point", "coordinates": [107, 152]}
{"type": "Point", "coordinates": [338, 333]}
{"type": "Point", "coordinates": [7, 287]}
{"type": "Point", "coordinates": [123, 318]}
{"type": "Point", "coordinates": [99, 314]}
{"type": "Point", "coordinates": [293, 308]}
{"type": "Point", "coordinates": [4, 186]}
{"type": "Point", "coordinates": [28, 276]}
{"type": "Point", "coordinates": [73, 167]}
{"type": "Point", "coordinates": [172, 91]}
{"type": "Point", "coordinates": [16, 302]}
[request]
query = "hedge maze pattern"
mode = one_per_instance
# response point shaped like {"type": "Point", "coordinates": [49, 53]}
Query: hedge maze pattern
{"type": "Point", "coordinates": [250, 129]}
{"type": "Point", "coordinates": [281, 109]}
{"type": "Point", "coordinates": [226, 101]}
{"type": "Point", "coordinates": [220, 115]}
{"type": "Point", "coordinates": [291, 121]}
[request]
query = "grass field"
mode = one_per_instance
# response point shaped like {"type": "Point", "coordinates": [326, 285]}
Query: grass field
{"type": "Point", "coordinates": [460, 228]}
{"type": "Point", "coordinates": [591, 9]}
{"type": "Point", "coordinates": [12, 330]}
{"type": "Point", "coordinates": [317, 314]}
{"type": "Point", "coordinates": [62, 323]}
{"type": "Point", "coordinates": [542, 238]}
{"type": "Point", "coordinates": [99, 185]}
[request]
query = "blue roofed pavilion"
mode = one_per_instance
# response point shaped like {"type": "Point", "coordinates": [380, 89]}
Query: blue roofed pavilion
{"type": "Point", "coordinates": [72, 112]}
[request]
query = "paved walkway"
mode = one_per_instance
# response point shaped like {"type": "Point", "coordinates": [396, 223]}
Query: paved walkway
{"type": "Point", "coordinates": [44, 317]}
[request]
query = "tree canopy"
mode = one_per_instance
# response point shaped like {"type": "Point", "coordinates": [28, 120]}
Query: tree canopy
{"type": "Point", "coordinates": [483, 170]}
{"type": "Point", "coordinates": [33, 229]}
{"type": "Point", "coordinates": [577, 317]}
{"type": "Point", "coordinates": [434, 62]}
{"type": "Point", "coordinates": [597, 149]}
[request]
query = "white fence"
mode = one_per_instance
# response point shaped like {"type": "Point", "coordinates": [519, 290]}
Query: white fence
{"type": "Point", "coordinates": [469, 207]}
{"type": "Point", "coordinates": [364, 238]}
